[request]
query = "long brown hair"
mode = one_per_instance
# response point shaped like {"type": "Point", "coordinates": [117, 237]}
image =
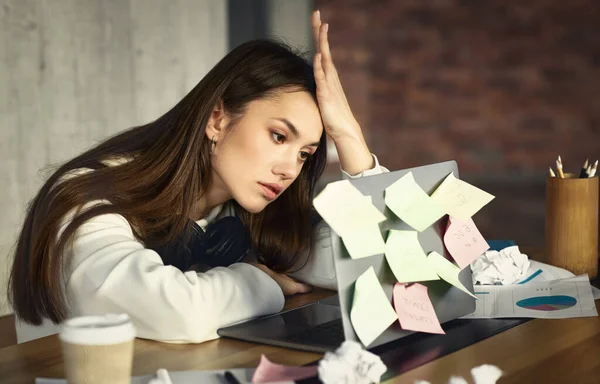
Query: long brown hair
{"type": "Point", "coordinates": [167, 172]}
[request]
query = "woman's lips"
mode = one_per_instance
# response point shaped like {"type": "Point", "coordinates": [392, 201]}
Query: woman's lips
{"type": "Point", "coordinates": [271, 191]}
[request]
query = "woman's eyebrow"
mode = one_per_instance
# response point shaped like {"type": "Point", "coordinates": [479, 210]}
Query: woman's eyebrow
{"type": "Point", "coordinates": [294, 130]}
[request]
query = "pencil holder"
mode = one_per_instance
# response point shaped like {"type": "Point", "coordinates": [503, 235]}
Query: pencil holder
{"type": "Point", "coordinates": [572, 224]}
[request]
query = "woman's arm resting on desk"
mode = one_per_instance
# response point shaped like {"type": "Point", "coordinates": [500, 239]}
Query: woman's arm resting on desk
{"type": "Point", "coordinates": [113, 272]}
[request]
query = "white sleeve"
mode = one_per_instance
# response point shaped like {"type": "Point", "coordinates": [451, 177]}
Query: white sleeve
{"type": "Point", "coordinates": [113, 272]}
{"type": "Point", "coordinates": [376, 170]}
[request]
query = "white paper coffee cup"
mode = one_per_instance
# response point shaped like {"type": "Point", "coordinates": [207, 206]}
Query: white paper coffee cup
{"type": "Point", "coordinates": [98, 349]}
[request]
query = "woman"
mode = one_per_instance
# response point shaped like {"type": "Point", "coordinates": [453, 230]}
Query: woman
{"type": "Point", "coordinates": [125, 226]}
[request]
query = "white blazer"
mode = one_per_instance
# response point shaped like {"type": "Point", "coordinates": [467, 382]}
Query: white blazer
{"type": "Point", "coordinates": [110, 271]}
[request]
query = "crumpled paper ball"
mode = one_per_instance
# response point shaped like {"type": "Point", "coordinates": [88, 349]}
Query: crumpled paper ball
{"type": "Point", "coordinates": [351, 364]}
{"type": "Point", "coordinates": [504, 267]}
{"type": "Point", "coordinates": [483, 374]}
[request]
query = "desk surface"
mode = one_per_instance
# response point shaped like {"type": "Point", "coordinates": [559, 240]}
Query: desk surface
{"type": "Point", "coordinates": [562, 350]}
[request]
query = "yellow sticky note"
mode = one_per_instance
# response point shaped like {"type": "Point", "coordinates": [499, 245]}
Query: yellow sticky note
{"type": "Point", "coordinates": [406, 257]}
{"type": "Point", "coordinates": [371, 313]}
{"type": "Point", "coordinates": [364, 242]}
{"type": "Point", "coordinates": [411, 204]}
{"type": "Point", "coordinates": [460, 199]}
{"type": "Point", "coordinates": [345, 209]}
{"type": "Point", "coordinates": [447, 271]}
{"type": "Point", "coordinates": [353, 217]}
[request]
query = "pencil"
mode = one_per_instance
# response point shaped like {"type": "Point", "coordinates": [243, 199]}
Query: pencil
{"type": "Point", "coordinates": [594, 169]}
{"type": "Point", "coordinates": [559, 168]}
{"type": "Point", "coordinates": [552, 174]}
{"type": "Point", "coordinates": [584, 170]}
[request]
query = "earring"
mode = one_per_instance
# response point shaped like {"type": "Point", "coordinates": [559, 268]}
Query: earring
{"type": "Point", "coordinates": [213, 144]}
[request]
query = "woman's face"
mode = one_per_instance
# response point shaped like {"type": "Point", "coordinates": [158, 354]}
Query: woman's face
{"type": "Point", "coordinates": [263, 152]}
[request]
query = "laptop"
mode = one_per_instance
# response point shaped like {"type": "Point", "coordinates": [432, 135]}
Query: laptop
{"type": "Point", "coordinates": [323, 325]}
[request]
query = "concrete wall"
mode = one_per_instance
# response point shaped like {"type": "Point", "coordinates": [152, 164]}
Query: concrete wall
{"type": "Point", "coordinates": [73, 72]}
{"type": "Point", "coordinates": [289, 20]}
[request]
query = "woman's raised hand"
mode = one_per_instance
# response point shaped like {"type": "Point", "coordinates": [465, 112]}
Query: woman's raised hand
{"type": "Point", "coordinates": [338, 119]}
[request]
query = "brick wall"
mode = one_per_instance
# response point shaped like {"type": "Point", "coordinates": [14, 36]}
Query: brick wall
{"type": "Point", "coordinates": [501, 88]}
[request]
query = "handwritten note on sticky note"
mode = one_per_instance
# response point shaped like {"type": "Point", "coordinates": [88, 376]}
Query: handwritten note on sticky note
{"type": "Point", "coordinates": [345, 209]}
{"type": "Point", "coordinates": [447, 271]}
{"type": "Point", "coordinates": [371, 312]}
{"type": "Point", "coordinates": [411, 204]}
{"type": "Point", "coordinates": [367, 242]}
{"type": "Point", "coordinates": [406, 257]}
{"type": "Point", "coordinates": [269, 372]}
{"type": "Point", "coordinates": [464, 241]}
{"type": "Point", "coordinates": [415, 310]}
{"type": "Point", "coordinates": [460, 199]}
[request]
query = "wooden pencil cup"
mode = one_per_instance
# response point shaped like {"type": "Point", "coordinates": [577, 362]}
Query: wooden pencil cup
{"type": "Point", "coordinates": [572, 224]}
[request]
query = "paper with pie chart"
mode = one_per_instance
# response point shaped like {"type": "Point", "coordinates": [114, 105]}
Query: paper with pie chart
{"type": "Point", "coordinates": [459, 198]}
{"type": "Point", "coordinates": [353, 217]}
{"type": "Point", "coordinates": [556, 299]}
{"type": "Point", "coordinates": [464, 241]}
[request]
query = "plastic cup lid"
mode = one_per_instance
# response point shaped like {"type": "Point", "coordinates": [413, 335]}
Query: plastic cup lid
{"type": "Point", "coordinates": [97, 330]}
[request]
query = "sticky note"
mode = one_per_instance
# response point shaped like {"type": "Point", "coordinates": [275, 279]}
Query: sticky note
{"type": "Point", "coordinates": [460, 199]}
{"type": "Point", "coordinates": [353, 217]}
{"type": "Point", "coordinates": [447, 271]}
{"type": "Point", "coordinates": [368, 242]}
{"type": "Point", "coordinates": [411, 204]}
{"type": "Point", "coordinates": [406, 257]}
{"type": "Point", "coordinates": [344, 208]}
{"type": "Point", "coordinates": [269, 372]}
{"type": "Point", "coordinates": [464, 241]}
{"type": "Point", "coordinates": [414, 309]}
{"type": "Point", "coordinates": [371, 312]}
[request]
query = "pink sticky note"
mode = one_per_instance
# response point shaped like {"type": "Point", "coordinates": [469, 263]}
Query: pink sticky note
{"type": "Point", "coordinates": [464, 241]}
{"type": "Point", "coordinates": [414, 309]}
{"type": "Point", "coordinates": [268, 372]}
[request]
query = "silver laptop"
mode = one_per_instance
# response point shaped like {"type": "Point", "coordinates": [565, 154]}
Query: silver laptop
{"type": "Point", "coordinates": [322, 326]}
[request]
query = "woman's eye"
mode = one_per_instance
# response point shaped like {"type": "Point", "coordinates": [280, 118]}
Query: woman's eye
{"type": "Point", "coordinates": [278, 137]}
{"type": "Point", "coordinates": [304, 156]}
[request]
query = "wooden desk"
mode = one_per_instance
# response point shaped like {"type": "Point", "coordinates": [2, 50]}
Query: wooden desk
{"type": "Point", "coordinates": [22, 363]}
{"type": "Point", "coordinates": [539, 351]}
{"type": "Point", "coordinates": [548, 351]}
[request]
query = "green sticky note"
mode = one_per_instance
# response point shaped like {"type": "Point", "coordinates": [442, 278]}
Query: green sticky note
{"type": "Point", "coordinates": [371, 313]}
{"type": "Point", "coordinates": [447, 271]}
{"type": "Point", "coordinates": [364, 242]}
{"type": "Point", "coordinates": [345, 209]}
{"type": "Point", "coordinates": [353, 217]}
{"type": "Point", "coordinates": [411, 204]}
{"type": "Point", "coordinates": [406, 257]}
{"type": "Point", "coordinates": [460, 199]}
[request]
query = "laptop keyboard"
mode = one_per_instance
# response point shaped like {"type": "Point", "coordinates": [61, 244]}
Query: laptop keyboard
{"type": "Point", "coordinates": [329, 333]}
